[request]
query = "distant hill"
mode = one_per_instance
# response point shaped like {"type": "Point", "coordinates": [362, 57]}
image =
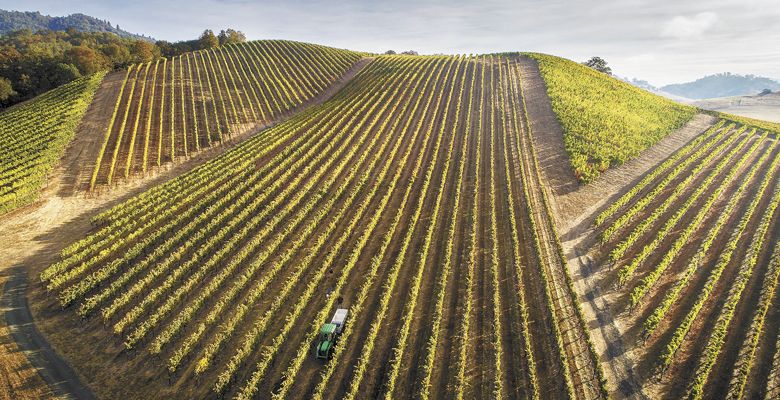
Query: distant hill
{"type": "Point", "coordinates": [722, 85]}
{"type": "Point", "coordinates": [643, 84]}
{"type": "Point", "coordinates": [765, 107]}
{"type": "Point", "coordinates": [15, 20]}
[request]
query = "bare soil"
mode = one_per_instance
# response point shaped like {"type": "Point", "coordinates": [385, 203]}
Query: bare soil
{"type": "Point", "coordinates": [18, 378]}
{"type": "Point", "coordinates": [57, 374]}
{"type": "Point", "coordinates": [548, 133]}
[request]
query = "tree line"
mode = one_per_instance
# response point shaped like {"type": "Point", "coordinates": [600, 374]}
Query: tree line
{"type": "Point", "coordinates": [32, 63]}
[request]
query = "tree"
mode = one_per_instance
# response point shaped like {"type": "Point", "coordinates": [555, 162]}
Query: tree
{"type": "Point", "coordinates": [6, 90]}
{"type": "Point", "coordinates": [390, 52]}
{"type": "Point", "coordinates": [208, 40]}
{"type": "Point", "coordinates": [231, 36]}
{"type": "Point", "coordinates": [87, 60]}
{"type": "Point", "coordinates": [9, 56]}
{"type": "Point", "coordinates": [143, 51]}
{"type": "Point", "coordinates": [599, 64]}
{"type": "Point", "coordinates": [118, 54]}
{"type": "Point", "coordinates": [60, 74]}
{"type": "Point", "coordinates": [409, 53]}
{"type": "Point", "coordinates": [35, 62]}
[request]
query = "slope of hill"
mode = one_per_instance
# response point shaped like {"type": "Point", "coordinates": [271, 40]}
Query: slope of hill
{"type": "Point", "coordinates": [692, 248]}
{"type": "Point", "coordinates": [33, 136]}
{"type": "Point", "coordinates": [415, 197]}
{"type": "Point", "coordinates": [170, 108]}
{"type": "Point", "coordinates": [35, 21]}
{"type": "Point", "coordinates": [605, 121]}
{"type": "Point", "coordinates": [220, 279]}
{"type": "Point", "coordinates": [722, 85]}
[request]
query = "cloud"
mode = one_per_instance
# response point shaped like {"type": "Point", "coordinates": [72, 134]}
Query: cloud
{"type": "Point", "coordinates": [682, 27]}
{"type": "Point", "coordinates": [663, 41]}
{"type": "Point", "coordinates": [641, 58]}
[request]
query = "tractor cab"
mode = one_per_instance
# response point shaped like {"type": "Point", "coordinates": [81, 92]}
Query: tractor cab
{"type": "Point", "coordinates": [325, 344]}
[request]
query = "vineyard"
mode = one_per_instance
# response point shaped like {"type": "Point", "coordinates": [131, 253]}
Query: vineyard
{"type": "Point", "coordinates": [33, 137]}
{"type": "Point", "coordinates": [605, 121]}
{"type": "Point", "coordinates": [423, 194]}
{"type": "Point", "coordinates": [692, 250]}
{"type": "Point", "coordinates": [171, 108]}
{"type": "Point", "coordinates": [412, 197]}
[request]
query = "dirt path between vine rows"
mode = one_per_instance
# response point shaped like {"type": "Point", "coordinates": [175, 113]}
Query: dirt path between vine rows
{"type": "Point", "coordinates": [579, 243]}
{"type": "Point", "coordinates": [35, 234]}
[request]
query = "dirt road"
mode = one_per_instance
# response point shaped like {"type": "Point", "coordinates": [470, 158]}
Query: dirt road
{"type": "Point", "coordinates": [55, 371]}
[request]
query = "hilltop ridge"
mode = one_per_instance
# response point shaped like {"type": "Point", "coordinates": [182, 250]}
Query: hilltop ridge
{"type": "Point", "coordinates": [33, 20]}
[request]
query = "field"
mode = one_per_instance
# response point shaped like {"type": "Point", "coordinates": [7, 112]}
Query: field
{"type": "Point", "coordinates": [417, 206]}
{"type": "Point", "coordinates": [692, 254]}
{"type": "Point", "coordinates": [171, 108]}
{"type": "Point", "coordinates": [606, 122]}
{"type": "Point", "coordinates": [33, 136]}
{"type": "Point", "coordinates": [498, 226]}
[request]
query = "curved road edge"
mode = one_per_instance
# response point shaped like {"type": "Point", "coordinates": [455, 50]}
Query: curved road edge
{"type": "Point", "coordinates": [57, 373]}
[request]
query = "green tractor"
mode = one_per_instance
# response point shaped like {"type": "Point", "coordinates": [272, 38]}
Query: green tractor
{"type": "Point", "coordinates": [329, 334]}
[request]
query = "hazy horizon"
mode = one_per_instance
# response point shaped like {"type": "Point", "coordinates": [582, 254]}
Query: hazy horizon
{"type": "Point", "coordinates": [659, 41]}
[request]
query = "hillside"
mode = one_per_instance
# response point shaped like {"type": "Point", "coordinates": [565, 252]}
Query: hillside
{"type": "Point", "coordinates": [15, 20]}
{"type": "Point", "coordinates": [722, 85]}
{"type": "Point", "coordinates": [172, 108]}
{"type": "Point", "coordinates": [605, 121]}
{"type": "Point", "coordinates": [34, 135]}
{"type": "Point", "coordinates": [209, 213]}
{"type": "Point", "coordinates": [219, 277]}
{"type": "Point", "coordinates": [695, 241]}
{"type": "Point", "coordinates": [148, 118]}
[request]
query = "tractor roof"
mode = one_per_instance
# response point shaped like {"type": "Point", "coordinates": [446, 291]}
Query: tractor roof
{"type": "Point", "coordinates": [327, 329]}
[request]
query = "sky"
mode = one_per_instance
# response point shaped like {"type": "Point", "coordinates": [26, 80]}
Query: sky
{"type": "Point", "coordinates": [662, 41]}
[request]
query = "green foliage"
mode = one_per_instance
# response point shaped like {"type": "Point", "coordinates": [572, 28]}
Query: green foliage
{"type": "Point", "coordinates": [35, 21]}
{"type": "Point", "coordinates": [599, 64]}
{"type": "Point", "coordinates": [760, 124]}
{"type": "Point", "coordinates": [228, 36]}
{"type": "Point", "coordinates": [34, 135]}
{"type": "Point", "coordinates": [87, 60]}
{"type": "Point", "coordinates": [606, 122]}
{"type": "Point", "coordinates": [35, 63]}
{"type": "Point", "coordinates": [6, 89]}
{"type": "Point", "coordinates": [208, 40]}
